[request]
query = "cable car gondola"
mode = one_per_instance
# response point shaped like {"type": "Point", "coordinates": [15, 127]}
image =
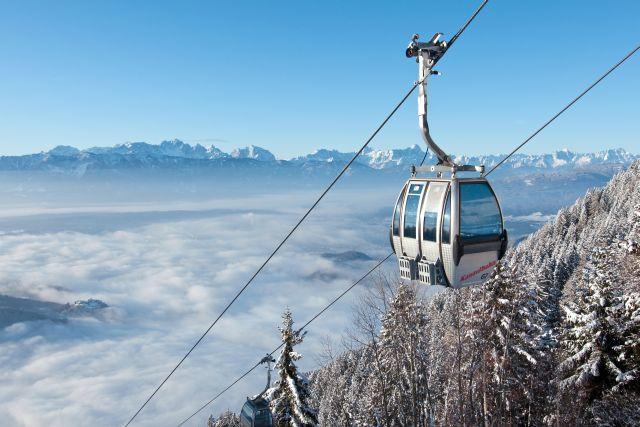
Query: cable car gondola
{"type": "Point", "coordinates": [446, 230]}
{"type": "Point", "coordinates": [255, 411]}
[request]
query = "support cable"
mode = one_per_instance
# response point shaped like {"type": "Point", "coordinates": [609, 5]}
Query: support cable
{"type": "Point", "coordinates": [464, 27]}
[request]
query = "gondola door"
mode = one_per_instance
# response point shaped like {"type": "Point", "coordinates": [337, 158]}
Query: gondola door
{"type": "Point", "coordinates": [395, 234]}
{"type": "Point", "coordinates": [480, 235]}
{"type": "Point", "coordinates": [429, 266]}
{"type": "Point", "coordinates": [410, 229]}
{"type": "Point", "coordinates": [446, 235]}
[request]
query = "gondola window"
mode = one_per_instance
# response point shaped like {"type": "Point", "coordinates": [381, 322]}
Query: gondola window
{"type": "Point", "coordinates": [446, 221]}
{"type": "Point", "coordinates": [411, 210]}
{"type": "Point", "coordinates": [480, 216]}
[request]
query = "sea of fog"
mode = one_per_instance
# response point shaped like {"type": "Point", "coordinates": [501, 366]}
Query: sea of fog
{"type": "Point", "coordinates": [166, 268]}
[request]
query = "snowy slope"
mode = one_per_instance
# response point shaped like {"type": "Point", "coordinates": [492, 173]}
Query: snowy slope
{"type": "Point", "coordinates": [554, 334]}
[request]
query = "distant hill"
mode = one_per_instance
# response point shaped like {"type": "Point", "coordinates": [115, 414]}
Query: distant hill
{"type": "Point", "coordinates": [346, 256]}
{"type": "Point", "coordinates": [18, 310]}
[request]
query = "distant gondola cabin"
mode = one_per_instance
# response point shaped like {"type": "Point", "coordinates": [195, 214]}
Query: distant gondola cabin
{"type": "Point", "coordinates": [256, 413]}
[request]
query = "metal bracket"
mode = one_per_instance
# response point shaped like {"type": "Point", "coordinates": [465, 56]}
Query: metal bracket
{"type": "Point", "coordinates": [427, 55]}
{"type": "Point", "coordinates": [268, 359]}
{"type": "Point", "coordinates": [452, 169]}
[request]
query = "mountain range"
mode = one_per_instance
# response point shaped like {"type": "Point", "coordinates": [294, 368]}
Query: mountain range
{"type": "Point", "coordinates": [177, 154]}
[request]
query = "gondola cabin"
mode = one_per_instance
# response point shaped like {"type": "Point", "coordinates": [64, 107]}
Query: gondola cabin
{"type": "Point", "coordinates": [256, 413]}
{"type": "Point", "coordinates": [447, 231]}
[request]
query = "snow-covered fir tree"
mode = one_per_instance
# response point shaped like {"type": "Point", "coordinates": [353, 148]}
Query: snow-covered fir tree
{"type": "Point", "coordinates": [506, 358]}
{"type": "Point", "coordinates": [592, 336]}
{"type": "Point", "coordinates": [628, 350]}
{"type": "Point", "coordinates": [616, 410]}
{"type": "Point", "coordinates": [459, 357]}
{"type": "Point", "coordinates": [629, 321]}
{"type": "Point", "coordinates": [226, 419]}
{"type": "Point", "coordinates": [405, 360]}
{"type": "Point", "coordinates": [289, 399]}
{"type": "Point", "coordinates": [340, 389]}
{"type": "Point", "coordinates": [633, 239]}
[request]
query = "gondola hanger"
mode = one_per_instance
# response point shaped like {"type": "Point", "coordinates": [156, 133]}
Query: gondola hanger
{"type": "Point", "coordinates": [427, 55]}
{"type": "Point", "coordinates": [445, 230]}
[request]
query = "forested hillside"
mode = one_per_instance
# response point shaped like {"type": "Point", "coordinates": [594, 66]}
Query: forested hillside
{"type": "Point", "coordinates": [552, 339]}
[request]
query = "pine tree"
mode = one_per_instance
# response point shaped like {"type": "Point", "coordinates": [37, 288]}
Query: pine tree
{"type": "Point", "coordinates": [226, 419]}
{"type": "Point", "coordinates": [338, 388]}
{"type": "Point", "coordinates": [502, 336]}
{"type": "Point", "coordinates": [405, 358]}
{"type": "Point", "coordinates": [632, 242]}
{"type": "Point", "coordinates": [591, 367]}
{"type": "Point", "coordinates": [617, 410]}
{"type": "Point", "coordinates": [290, 396]}
{"type": "Point", "coordinates": [629, 313]}
{"type": "Point", "coordinates": [628, 351]}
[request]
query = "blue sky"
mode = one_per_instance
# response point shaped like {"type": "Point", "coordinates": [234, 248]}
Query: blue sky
{"type": "Point", "coordinates": [295, 76]}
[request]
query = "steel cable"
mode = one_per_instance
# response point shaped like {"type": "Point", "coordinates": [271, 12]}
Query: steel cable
{"type": "Point", "coordinates": [548, 122]}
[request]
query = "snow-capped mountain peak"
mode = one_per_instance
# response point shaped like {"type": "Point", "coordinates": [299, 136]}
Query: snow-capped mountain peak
{"type": "Point", "coordinates": [64, 151]}
{"type": "Point", "coordinates": [253, 152]}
